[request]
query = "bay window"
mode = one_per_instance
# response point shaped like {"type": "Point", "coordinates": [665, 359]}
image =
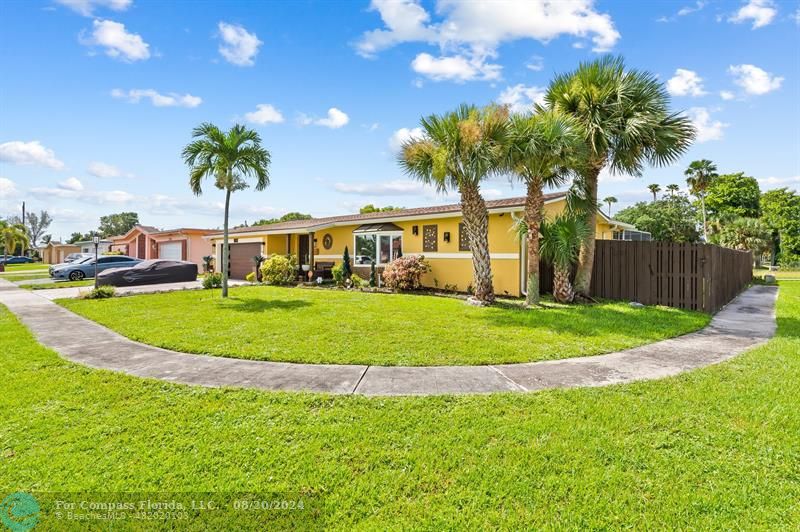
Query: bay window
{"type": "Point", "coordinates": [380, 247]}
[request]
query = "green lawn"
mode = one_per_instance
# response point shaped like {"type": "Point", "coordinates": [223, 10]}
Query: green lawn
{"type": "Point", "coordinates": [780, 274]}
{"type": "Point", "coordinates": [717, 448]}
{"type": "Point", "coordinates": [12, 268]}
{"type": "Point", "coordinates": [25, 276]}
{"type": "Point", "coordinates": [328, 326]}
{"type": "Point", "coordinates": [60, 284]}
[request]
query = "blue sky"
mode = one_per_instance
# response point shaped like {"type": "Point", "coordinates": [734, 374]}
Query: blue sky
{"type": "Point", "coordinates": [98, 97]}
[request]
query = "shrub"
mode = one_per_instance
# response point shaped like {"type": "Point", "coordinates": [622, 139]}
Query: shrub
{"type": "Point", "coordinates": [279, 269]}
{"type": "Point", "coordinates": [212, 280]}
{"type": "Point", "coordinates": [101, 292]}
{"type": "Point", "coordinates": [346, 270]}
{"type": "Point", "coordinates": [250, 277]}
{"type": "Point", "coordinates": [373, 275]}
{"type": "Point", "coordinates": [356, 281]}
{"type": "Point", "coordinates": [115, 252]}
{"type": "Point", "coordinates": [405, 273]}
{"type": "Point", "coordinates": [338, 274]}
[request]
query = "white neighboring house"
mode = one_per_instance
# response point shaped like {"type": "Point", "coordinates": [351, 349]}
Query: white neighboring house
{"type": "Point", "coordinates": [87, 246]}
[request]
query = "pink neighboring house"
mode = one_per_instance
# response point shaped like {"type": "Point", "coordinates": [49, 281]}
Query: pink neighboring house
{"type": "Point", "coordinates": [146, 242]}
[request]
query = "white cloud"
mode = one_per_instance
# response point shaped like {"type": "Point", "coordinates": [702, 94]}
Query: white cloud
{"type": "Point", "coordinates": [456, 68]}
{"type": "Point", "coordinates": [334, 120]}
{"type": "Point", "coordinates": [682, 12]}
{"type": "Point", "coordinates": [264, 114]}
{"type": "Point", "coordinates": [239, 46]}
{"type": "Point", "coordinates": [607, 177]}
{"type": "Point", "coordinates": [8, 188]}
{"type": "Point", "coordinates": [761, 12]}
{"type": "Point", "coordinates": [685, 83]}
{"type": "Point", "coordinates": [520, 98]}
{"type": "Point", "coordinates": [707, 129]}
{"type": "Point", "coordinates": [117, 41]}
{"type": "Point", "coordinates": [770, 181]}
{"type": "Point", "coordinates": [403, 135]}
{"type": "Point", "coordinates": [88, 196]}
{"type": "Point", "coordinates": [754, 80]}
{"type": "Point", "coordinates": [535, 63]}
{"type": "Point", "coordinates": [398, 187]}
{"type": "Point", "coordinates": [87, 7]}
{"type": "Point", "coordinates": [29, 153]}
{"type": "Point", "coordinates": [726, 95]}
{"type": "Point", "coordinates": [71, 183]}
{"type": "Point", "coordinates": [469, 33]}
{"type": "Point", "coordinates": [171, 99]}
{"type": "Point", "coordinates": [105, 170]}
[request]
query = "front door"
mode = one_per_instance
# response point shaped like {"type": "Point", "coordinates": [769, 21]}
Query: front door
{"type": "Point", "coordinates": [303, 250]}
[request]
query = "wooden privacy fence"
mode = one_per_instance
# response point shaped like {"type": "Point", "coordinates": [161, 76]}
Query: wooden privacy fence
{"type": "Point", "coordinates": [691, 276]}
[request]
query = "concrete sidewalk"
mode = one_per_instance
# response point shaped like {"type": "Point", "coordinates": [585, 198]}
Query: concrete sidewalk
{"type": "Point", "coordinates": [746, 322]}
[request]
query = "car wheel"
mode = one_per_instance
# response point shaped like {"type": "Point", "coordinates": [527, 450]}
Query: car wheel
{"type": "Point", "coordinates": [77, 275]}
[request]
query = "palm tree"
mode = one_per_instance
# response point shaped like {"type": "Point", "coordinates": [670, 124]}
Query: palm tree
{"type": "Point", "coordinates": [627, 123]}
{"type": "Point", "coordinates": [541, 148]}
{"type": "Point", "coordinates": [673, 189]}
{"type": "Point", "coordinates": [560, 245]}
{"type": "Point", "coordinates": [229, 158]}
{"type": "Point", "coordinates": [699, 177]}
{"type": "Point", "coordinates": [655, 188]}
{"type": "Point", "coordinates": [457, 151]}
{"type": "Point", "coordinates": [11, 236]}
{"type": "Point", "coordinates": [610, 200]}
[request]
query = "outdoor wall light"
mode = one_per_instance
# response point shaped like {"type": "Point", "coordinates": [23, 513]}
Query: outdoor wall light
{"type": "Point", "coordinates": [415, 230]}
{"type": "Point", "coordinates": [447, 236]}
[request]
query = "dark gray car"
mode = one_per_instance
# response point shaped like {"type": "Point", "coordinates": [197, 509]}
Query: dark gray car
{"type": "Point", "coordinates": [150, 272]}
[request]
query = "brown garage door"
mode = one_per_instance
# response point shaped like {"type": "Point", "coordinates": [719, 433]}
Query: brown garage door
{"type": "Point", "coordinates": [241, 262]}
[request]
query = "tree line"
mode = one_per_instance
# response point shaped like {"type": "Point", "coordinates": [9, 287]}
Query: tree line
{"type": "Point", "coordinates": [728, 209]}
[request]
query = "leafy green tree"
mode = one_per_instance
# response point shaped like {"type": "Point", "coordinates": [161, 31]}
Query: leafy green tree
{"type": "Point", "coordinates": [117, 224]}
{"type": "Point", "coordinates": [670, 219]}
{"type": "Point", "coordinates": [458, 151]}
{"type": "Point", "coordinates": [541, 149]}
{"type": "Point", "coordinates": [627, 123]}
{"type": "Point", "coordinates": [288, 217]}
{"type": "Point", "coordinates": [747, 234]}
{"type": "Point", "coordinates": [780, 210]}
{"type": "Point", "coordinates": [733, 195]}
{"type": "Point", "coordinates": [699, 176]}
{"type": "Point", "coordinates": [13, 236]}
{"type": "Point", "coordinates": [368, 208]}
{"type": "Point", "coordinates": [229, 158]}
{"type": "Point", "coordinates": [609, 200]}
{"type": "Point", "coordinates": [347, 271]}
{"type": "Point", "coordinates": [561, 243]}
{"type": "Point", "coordinates": [654, 189]}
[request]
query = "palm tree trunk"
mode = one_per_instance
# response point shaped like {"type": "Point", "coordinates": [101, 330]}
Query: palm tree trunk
{"type": "Point", "coordinates": [705, 225]}
{"type": "Point", "coordinates": [534, 203]}
{"type": "Point", "coordinates": [476, 221]}
{"type": "Point", "coordinates": [562, 288]}
{"type": "Point", "coordinates": [583, 277]}
{"type": "Point", "coordinates": [225, 244]}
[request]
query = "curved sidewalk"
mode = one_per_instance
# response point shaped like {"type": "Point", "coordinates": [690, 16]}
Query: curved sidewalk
{"type": "Point", "coordinates": [749, 320]}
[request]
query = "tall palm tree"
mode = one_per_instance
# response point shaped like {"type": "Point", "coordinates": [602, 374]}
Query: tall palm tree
{"type": "Point", "coordinates": [673, 189]}
{"type": "Point", "coordinates": [11, 236]}
{"type": "Point", "coordinates": [654, 188]}
{"type": "Point", "coordinates": [457, 151]}
{"type": "Point", "coordinates": [627, 123]}
{"type": "Point", "coordinates": [560, 245]}
{"type": "Point", "coordinates": [229, 158]}
{"type": "Point", "coordinates": [541, 149]}
{"type": "Point", "coordinates": [699, 177]}
{"type": "Point", "coordinates": [609, 200]}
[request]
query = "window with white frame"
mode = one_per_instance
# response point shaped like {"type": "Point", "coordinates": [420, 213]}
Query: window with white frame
{"type": "Point", "coordinates": [378, 247]}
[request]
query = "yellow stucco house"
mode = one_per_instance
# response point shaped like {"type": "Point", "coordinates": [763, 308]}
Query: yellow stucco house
{"type": "Point", "coordinates": [435, 232]}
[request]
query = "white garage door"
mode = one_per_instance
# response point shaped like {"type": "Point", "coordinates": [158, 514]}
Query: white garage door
{"type": "Point", "coordinates": [170, 250]}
